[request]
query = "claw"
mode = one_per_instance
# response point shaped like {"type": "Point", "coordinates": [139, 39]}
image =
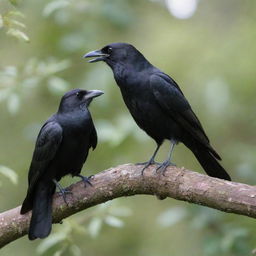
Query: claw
{"type": "Point", "coordinates": [147, 164]}
{"type": "Point", "coordinates": [85, 179]}
{"type": "Point", "coordinates": [163, 166]}
{"type": "Point", "coordinates": [151, 160]}
{"type": "Point", "coordinates": [64, 192]}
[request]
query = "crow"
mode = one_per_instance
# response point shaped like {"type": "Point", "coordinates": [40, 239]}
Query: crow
{"type": "Point", "coordinates": [61, 148]}
{"type": "Point", "coordinates": [158, 106]}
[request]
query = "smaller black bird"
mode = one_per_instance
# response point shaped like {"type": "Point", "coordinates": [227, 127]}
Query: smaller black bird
{"type": "Point", "coordinates": [158, 105]}
{"type": "Point", "coordinates": [61, 148]}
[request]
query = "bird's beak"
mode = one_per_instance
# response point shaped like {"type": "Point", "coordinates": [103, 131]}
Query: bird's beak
{"type": "Point", "coordinates": [93, 94]}
{"type": "Point", "coordinates": [100, 56]}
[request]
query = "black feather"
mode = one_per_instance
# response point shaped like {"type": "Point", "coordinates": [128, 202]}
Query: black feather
{"type": "Point", "coordinates": [158, 105]}
{"type": "Point", "coordinates": [61, 148]}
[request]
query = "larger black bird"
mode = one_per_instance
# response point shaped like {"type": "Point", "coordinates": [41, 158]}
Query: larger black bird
{"type": "Point", "coordinates": [158, 105]}
{"type": "Point", "coordinates": [61, 148]}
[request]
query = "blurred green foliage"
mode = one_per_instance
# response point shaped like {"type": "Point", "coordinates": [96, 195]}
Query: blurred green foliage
{"type": "Point", "coordinates": [12, 20]}
{"type": "Point", "coordinates": [210, 53]}
{"type": "Point", "coordinates": [62, 241]}
{"type": "Point", "coordinates": [15, 82]}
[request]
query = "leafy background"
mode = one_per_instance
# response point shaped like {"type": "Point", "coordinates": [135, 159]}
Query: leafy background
{"type": "Point", "coordinates": [208, 47]}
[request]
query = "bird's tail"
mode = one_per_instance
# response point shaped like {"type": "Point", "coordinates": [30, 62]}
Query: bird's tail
{"type": "Point", "coordinates": [41, 220]}
{"type": "Point", "coordinates": [27, 204]}
{"type": "Point", "coordinates": [208, 162]}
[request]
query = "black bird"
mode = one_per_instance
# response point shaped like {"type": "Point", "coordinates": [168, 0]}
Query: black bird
{"type": "Point", "coordinates": [61, 148]}
{"type": "Point", "coordinates": [158, 105]}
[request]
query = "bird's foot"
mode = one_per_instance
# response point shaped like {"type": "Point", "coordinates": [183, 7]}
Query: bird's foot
{"type": "Point", "coordinates": [163, 166]}
{"type": "Point", "coordinates": [85, 179]}
{"type": "Point", "coordinates": [64, 192]}
{"type": "Point", "coordinates": [147, 164]}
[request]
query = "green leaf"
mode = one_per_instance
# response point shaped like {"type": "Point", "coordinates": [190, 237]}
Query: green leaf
{"type": "Point", "coordinates": [171, 216]}
{"type": "Point", "coordinates": [9, 173]}
{"type": "Point", "coordinates": [50, 241]}
{"type": "Point", "coordinates": [17, 23]}
{"type": "Point", "coordinates": [53, 6]}
{"type": "Point", "coordinates": [59, 66]}
{"type": "Point", "coordinates": [94, 227]}
{"type": "Point", "coordinates": [13, 103]}
{"type": "Point", "coordinates": [57, 85]}
{"type": "Point", "coordinates": [74, 226]}
{"type": "Point", "coordinates": [30, 82]}
{"type": "Point", "coordinates": [16, 14]}
{"type": "Point", "coordinates": [52, 66]}
{"type": "Point", "coordinates": [114, 222]}
{"type": "Point", "coordinates": [18, 34]}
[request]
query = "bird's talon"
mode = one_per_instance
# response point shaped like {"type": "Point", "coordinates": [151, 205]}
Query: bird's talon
{"type": "Point", "coordinates": [141, 163]}
{"type": "Point", "coordinates": [86, 180]}
{"type": "Point", "coordinates": [162, 168]}
{"type": "Point", "coordinates": [147, 164]}
{"type": "Point", "coordinates": [144, 168]}
{"type": "Point", "coordinates": [64, 192]}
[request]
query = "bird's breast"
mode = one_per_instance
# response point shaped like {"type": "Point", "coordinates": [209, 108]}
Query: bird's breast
{"type": "Point", "coordinates": [149, 116]}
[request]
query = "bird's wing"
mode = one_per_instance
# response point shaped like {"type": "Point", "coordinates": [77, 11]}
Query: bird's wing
{"type": "Point", "coordinates": [169, 80]}
{"type": "Point", "coordinates": [172, 101]}
{"type": "Point", "coordinates": [47, 144]}
{"type": "Point", "coordinates": [93, 138]}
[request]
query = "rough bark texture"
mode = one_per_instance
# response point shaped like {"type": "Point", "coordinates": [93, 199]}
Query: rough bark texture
{"type": "Point", "coordinates": [126, 180]}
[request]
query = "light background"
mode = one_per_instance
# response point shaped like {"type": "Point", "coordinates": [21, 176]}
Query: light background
{"type": "Point", "coordinates": [208, 47]}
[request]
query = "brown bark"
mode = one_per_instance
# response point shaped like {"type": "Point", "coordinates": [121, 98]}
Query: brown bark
{"type": "Point", "coordinates": [126, 180]}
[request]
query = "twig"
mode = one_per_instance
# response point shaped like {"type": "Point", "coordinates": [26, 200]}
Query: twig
{"type": "Point", "coordinates": [126, 180]}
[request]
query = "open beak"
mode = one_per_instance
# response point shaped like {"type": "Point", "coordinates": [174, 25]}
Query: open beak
{"type": "Point", "coordinates": [93, 94]}
{"type": "Point", "coordinates": [100, 56]}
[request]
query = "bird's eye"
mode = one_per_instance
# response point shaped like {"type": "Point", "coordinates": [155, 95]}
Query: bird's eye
{"type": "Point", "coordinates": [79, 95]}
{"type": "Point", "coordinates": [109, 50]}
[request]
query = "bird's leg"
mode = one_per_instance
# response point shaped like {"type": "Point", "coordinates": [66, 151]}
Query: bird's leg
{"type": "Point", "coordinates": [85, 179]}
{"type": "Point", "coordinates": [62, 191]}
{"type": "Point", "coordinates": [151, 160]}
{"type": "Point", "coordinates": [166, 163]}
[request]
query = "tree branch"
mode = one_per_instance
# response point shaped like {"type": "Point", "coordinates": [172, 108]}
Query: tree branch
{"type": "Point", "coordinates": [126, 180]}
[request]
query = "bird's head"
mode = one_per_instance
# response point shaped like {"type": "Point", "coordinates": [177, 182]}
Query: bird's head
{"type": "Point", "coordinates": [78, 99]}
{"type": "Point", "coordinates": [116, 53]}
